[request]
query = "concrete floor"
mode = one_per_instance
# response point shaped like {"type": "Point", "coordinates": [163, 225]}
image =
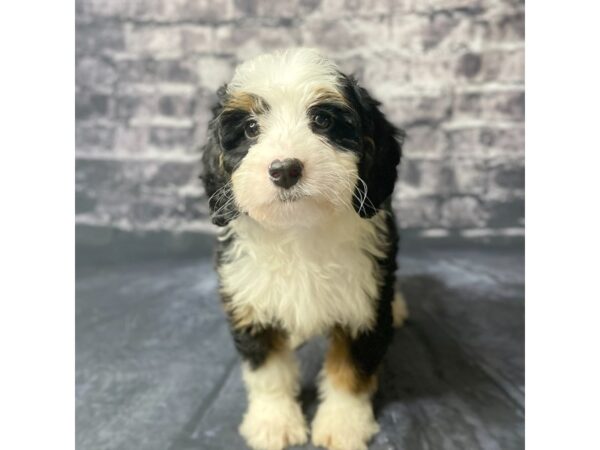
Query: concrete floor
{"type": "Point", "coordinates": [156, 368]}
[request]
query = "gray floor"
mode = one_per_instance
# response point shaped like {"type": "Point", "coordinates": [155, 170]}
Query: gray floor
{"type": "Point", "coordinates": [156, 368]}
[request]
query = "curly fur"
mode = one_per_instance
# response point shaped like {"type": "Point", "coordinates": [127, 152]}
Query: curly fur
{"type": "Point", "coordinates": [315, 258]}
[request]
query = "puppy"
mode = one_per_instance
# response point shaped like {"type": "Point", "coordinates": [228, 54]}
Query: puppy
{"type": "Point", "coordinates": [299, 169]}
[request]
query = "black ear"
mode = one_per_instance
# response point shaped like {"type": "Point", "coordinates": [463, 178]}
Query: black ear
{"type": "Point", "coordinates": [217, 182]}
{"type": "Point", "coordinates": [380, 153]}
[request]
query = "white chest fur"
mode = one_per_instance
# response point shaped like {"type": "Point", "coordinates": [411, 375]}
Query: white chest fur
{"type": "Point", "coordinates": [306, 280]}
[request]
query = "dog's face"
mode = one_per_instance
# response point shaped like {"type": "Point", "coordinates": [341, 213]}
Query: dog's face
{"type": "Point", "coordinates": [295, 141]}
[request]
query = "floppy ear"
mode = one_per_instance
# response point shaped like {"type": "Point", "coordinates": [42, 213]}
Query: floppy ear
{"type": "Point", "coordinates": [217, 182]}
{"type": "Point", "coordinates": [381, 152]}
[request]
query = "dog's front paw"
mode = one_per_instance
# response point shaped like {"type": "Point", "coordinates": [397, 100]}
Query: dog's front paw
{"type": "Point", "coordinates": [273, 424]}
{"type": "Point", "coordinates": [344, 427]}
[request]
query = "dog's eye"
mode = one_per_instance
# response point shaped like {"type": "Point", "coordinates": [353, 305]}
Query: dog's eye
{"type": "Point", "coordinates": [322, 120]}
{"type": "Point", "coordinates": [251, 128]}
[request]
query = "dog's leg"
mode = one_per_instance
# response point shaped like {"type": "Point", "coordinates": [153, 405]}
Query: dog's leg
{"type": "Point", "coordinates": [273, 419]}
{"type": "Point", "coordinates": [345, 420]}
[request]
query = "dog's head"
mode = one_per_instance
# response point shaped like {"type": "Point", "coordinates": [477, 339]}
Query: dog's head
{"type": "Point", "coordinates": [294, 141]}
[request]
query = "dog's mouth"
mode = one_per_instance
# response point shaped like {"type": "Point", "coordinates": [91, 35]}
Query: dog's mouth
{"type": "Point", "coordinates": [291, 208]}
{"type": "Point", "coordinates": [286, 196]}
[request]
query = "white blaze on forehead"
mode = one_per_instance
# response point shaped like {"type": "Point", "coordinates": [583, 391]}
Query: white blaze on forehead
{"type": "Point", "coordinates": [300, 70]}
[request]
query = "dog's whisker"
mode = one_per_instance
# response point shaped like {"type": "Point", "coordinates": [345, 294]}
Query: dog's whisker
{"type": "Point", "coordinates": [219, 192]}
{"type": "Point", "coordinates": [224, 206]}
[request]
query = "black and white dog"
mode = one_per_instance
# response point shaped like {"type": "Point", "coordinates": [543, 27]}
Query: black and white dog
{"type": "Point", "coordinates": [299, 169]}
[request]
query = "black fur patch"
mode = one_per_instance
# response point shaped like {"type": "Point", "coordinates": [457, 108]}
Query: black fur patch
{"type": "Point", "coordinates": [217, 186]}
{"type": "Point", "coordinates": [380, 152]}
{"type": "Point", "coordinates": [226, 147]}
{"type": "Point", "coordinates": [344, 132]}
{"type": "Point", "coordinates": [234, 142]}
{"type": "Point", "coordinates": [368, 348]}
{"type": "Point", "coordinates": [255, 346]}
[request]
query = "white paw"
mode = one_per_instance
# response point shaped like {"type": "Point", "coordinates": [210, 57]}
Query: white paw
{"type": "Point", "coordinates": [273, 424]}
{"type": "Point", "coordinates": [344, 427]}
{"type": "Point", "coordinates": [399, 309]}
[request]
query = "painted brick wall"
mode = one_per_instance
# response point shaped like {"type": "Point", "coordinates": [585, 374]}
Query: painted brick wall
{"type": "Point", "coordinates": [448, 71]}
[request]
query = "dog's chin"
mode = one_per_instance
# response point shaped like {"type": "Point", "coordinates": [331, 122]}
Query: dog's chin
{"type": "Point", "coordinates": [291, 210]}
{"type": "Point", "coordinates": [290, 196]}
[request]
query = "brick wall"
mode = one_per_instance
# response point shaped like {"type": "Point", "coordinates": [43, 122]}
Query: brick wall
{"type": "Point", "coordinates": [448, 71]}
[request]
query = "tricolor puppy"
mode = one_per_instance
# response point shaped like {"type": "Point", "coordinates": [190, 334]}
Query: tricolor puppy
{"type": "Point", "coordinates": [299, 169]}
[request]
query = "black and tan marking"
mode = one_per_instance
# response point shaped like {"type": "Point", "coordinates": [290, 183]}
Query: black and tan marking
{"type": "Point", "coordinates": [341, 368]}
{"type": "Point", "coordinates": [352, 362]}
{"type": "Point", "coordinates": [227, 146]}
{"type": "Point", "coordinates": [256, 345]}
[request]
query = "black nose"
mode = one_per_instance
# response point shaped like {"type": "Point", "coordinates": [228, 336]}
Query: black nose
{"type": "Point", "coordinates": [285, 173]}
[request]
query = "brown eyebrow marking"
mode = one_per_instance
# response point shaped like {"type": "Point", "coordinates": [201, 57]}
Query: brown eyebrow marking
{"type": "Point", "coordinates": [246, 102]}
{"type": "Point", "coordinates": [330, 96]}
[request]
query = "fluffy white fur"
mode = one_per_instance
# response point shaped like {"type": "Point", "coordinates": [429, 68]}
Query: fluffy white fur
{"type": "Point", "coordinates": [307, 279]}
{"type": "Point", "coordinates": [344, 421]}
{"type": "Point", "coordinates": [268, 75]}
{"type": "Point", "coordinates": [274, 419]}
